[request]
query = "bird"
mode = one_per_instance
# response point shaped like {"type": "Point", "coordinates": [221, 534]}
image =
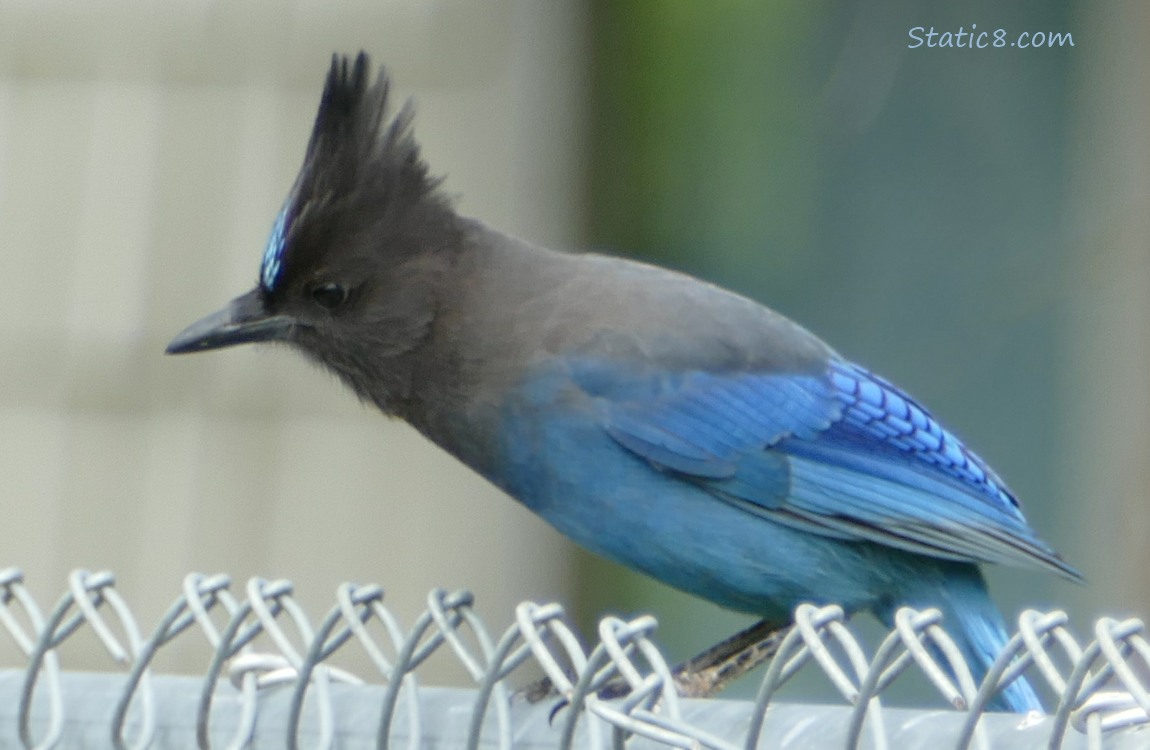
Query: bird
{"type": "Point", "coordinates": [660, 421]}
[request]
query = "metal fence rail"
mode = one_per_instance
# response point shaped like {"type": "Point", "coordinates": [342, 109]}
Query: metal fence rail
{"type": "Point", "coordinates": [289, 694]}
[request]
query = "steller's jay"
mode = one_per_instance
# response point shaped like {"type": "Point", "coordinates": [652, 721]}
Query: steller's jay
{"type": "Point", "coordinates": [657, 420]}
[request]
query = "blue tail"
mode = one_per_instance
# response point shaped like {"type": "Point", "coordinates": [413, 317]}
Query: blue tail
{"type": "Point", "coordinates": [977, 627]}
{"type": "Point", "coordinates": [981, 634]}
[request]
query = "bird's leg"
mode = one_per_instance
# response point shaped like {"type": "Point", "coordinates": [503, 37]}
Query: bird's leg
{"type": "Point", "coordinates": [706, 674]}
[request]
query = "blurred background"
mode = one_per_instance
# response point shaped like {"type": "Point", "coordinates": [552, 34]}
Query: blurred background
{"type": "Point", "coordinates": [974, 224]}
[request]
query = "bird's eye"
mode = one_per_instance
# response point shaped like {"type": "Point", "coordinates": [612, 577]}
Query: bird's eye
{"type": "Point", "coordinates": [329, 294]}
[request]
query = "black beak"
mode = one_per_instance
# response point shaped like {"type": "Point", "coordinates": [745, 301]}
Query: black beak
{"type": "Point", "coordinates": [243, 321]}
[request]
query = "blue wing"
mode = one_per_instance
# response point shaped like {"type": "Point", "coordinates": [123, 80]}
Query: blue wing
{"type": "Point", "coordinates": [841, 453]}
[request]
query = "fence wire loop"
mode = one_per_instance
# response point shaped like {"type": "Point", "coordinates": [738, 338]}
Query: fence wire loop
{"type": "Point", "coordinates": [1037, 634]}
{"type": "Point", "coordinates": [358, 605]}
{"type": "Point", "coordinates": [916, 630]}
{"type": "Point", "coordinates": [235, 639]}
{"type": "Point", "coordinates": [621, 688]}
{"type": "Point", "coordinates": [417, 645]}
{"type": "Point", "coordinates": [180, 616]}
{"type": "Point", "coordinates": [1117, 640]}
{"type": "Point", "coordinates": [39, 658]}
{"type": "Point", "coordinates": [1102, 711]}
{"type": "Point", "coordinates": [806, 641]}
{"type": "Point", "coordinates": [902, 648]}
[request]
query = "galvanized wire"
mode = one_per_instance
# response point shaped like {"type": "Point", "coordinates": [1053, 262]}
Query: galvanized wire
{"type": "Point", "coordinates": [288, 693]}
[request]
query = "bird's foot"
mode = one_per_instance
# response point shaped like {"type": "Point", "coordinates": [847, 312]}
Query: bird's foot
{"type": "Point", "coordinates": [703, 676]}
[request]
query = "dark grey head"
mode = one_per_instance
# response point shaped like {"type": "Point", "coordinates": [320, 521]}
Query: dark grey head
{"type": "Point", "coordinates": [350, 272]}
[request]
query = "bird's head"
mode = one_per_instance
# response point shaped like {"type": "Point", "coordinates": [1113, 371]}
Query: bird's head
{"type": "Point", "coordinates": [350, 270]}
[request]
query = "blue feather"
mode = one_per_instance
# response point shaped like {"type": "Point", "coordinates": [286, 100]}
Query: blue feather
{"type": "Point", "coordinates": [274, 251]}
{"type": "Point", "coordinates": [844, 453]}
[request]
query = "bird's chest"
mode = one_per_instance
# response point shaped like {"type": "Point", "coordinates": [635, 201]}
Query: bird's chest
{"type": "Point", "coordinates": [540, 438]}
{"type": "Point", "coordinates": [537, 440]}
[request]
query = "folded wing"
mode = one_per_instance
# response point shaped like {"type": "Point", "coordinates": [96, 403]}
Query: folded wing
{"type": "Point", "coordinates": [841, 453]}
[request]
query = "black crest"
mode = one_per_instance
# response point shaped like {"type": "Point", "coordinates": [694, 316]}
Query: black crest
{"type": "Point", "coordinates": [362, 173]}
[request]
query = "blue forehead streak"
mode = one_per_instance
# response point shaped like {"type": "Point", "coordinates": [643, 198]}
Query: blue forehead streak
{"type": "Point", "coordinates": [273, 253]}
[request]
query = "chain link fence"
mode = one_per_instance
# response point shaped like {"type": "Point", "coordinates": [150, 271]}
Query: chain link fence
{"type": "Point", "coordinates": [272, 680]}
